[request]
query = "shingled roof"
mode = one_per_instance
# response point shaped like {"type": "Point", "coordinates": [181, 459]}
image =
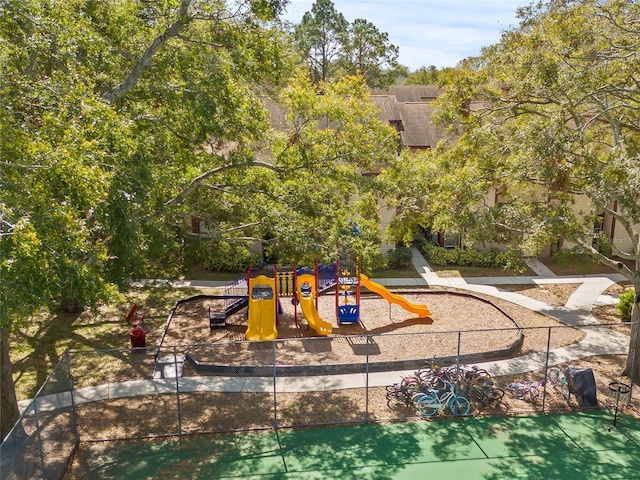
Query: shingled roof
{"type": "Point", "coordinates": [410, 93]}
{"type": "Point", "coordinates": [406, 107]}
{"type": "Point", "coordinates": [409, 109]}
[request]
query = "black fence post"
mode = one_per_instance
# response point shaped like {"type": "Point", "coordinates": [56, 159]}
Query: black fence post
{"type": "Point", "coordinates": [366, 381]}
{"type": "Point", "coordinates": [38, 433]}
{"type": "Point", "coordinates": [275, 377]}
{"type": "Point", "coordinates": [175, 366]}
{"type": "Point", "coordinates": [546, 370]}
{"type": "Point", "coordinates": [72, 395]}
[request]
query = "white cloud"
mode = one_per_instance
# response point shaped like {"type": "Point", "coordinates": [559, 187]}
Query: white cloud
{"type": "Point", "coordinates": [429, 32]}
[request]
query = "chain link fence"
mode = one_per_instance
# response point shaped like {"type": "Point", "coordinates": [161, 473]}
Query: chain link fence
{"type": "Point", "coordinates": [237, 386]}
{"type": "Point", "coordinates": [42, 442]}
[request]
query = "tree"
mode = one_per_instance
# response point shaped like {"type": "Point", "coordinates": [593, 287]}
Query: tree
{"type": "Point", "coordinates": [103, 106]}
{"type": "Point", "coordinates": [332, 47]}
{"type": "Point", "coordinates": [423, 76]}
{"type": "Point", "coordinates": [296, 188]}
{"type": "Point", "coordinates": [546, 116]}
{"type": "Point", "coordinates": [319, 37]}
{"type": "Point", "coordinates": [120, 118]}
{"type": "Point", "coordinates": [368, 52]}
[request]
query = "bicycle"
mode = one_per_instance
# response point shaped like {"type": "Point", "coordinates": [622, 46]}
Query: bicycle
{"type": "Point", "coordinates": [554, 377]}
{"type": "Point", "coordinates": [428, 404]}
{"type": "Point", "coordinates": [527, 388]}
{"type": "Point", "coordinates": [481, 389]}
{"type": "Point", "coordinates": [558, 381]}
{"type": "Point", "coordinates": [403, 391]}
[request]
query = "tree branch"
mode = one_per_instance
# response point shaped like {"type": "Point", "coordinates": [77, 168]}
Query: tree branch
{"type": "Point", "coordinates": [196, 182]}
{"type": "Point", "coordinates": [618, 266]}
{"type": "Point", "coordinates": [120, 90]}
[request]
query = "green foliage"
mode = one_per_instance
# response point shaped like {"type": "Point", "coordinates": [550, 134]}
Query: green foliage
{"type": "Point", "coordinates": [493, 258]}
{"type": "Point", "coordinates": [519, 172]}
{"type": "Point", "coordinates": [605, 245]}
{"type": "Point", "coordinates": [625, 304]}
{"type": "Point", "coordinates": [331, 47]}
{"type": "Point", "coordinates": [368, 52]}
{"type": "Point", "coordinates": [227, 257]}
{"type": "Point", "coordinates": [120, 118]}
{"type": "Point", "coordinates": [430, 75]}
{"type": "Point", "coordinates": [565, 256]}
{"type": "Point", "coordinates": [399, 257]}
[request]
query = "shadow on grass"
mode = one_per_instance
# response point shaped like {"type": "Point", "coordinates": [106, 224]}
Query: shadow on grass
{"type": "Point", "coordinates": [39, 346]}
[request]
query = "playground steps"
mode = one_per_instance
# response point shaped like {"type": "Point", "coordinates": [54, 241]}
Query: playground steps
{"type": "Point", "coordinates": [217, 319]}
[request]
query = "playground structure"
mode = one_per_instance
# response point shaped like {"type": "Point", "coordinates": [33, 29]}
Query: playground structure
{"type": "Point", "coordinates": [262, 309]}
{"type": "Point", "coordinates": [262, 289]}
{"type": "Point", "coordinates": [421, 310]}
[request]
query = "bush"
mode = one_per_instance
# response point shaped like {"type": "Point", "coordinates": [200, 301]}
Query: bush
{"type": "Point", "coordinates": [399, 257]}
{"type": "Point", "coordinates": [625, 305]}
{"type": "Point", "coordinates": [226, 257]}
{"type": "Point", "coordinates": [472, 256]}
{"type": "Point", "coordinates": [564, 257]}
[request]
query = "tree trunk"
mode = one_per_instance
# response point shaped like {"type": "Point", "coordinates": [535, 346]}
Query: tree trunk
{"type": "Point", "coordinates": [632, 367]}
{"type": "Point", "coordinates": [8, 401]}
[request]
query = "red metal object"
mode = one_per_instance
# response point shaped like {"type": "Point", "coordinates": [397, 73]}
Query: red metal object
{"type": "Point", "coordinates": [139, 316]}
{"type": "Point", "coordinates": [138, 338]}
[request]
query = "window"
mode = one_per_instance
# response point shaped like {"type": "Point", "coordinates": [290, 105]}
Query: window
{"type": "Point", "coordinates": [451, 240]}
{"type": "Point", "coordinates": [397, 124]}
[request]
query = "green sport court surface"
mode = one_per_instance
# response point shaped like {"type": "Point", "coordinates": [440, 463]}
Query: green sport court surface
{"type": "Point", "coordinates": [563, 446]}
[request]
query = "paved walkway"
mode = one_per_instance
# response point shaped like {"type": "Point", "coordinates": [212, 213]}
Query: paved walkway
{"type": "Point", "coordinates": [576, 312]}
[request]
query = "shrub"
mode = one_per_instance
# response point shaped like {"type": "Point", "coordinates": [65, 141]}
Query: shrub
{"type": "Point", "coordinates": [472, 256]}
{"type": "Point", "coordinates": [625, 305]}
{"type": "Point", "coordinates": [399, 257]}
{"type": "Point", "coordinates": [564, 257]}
{"type": "Point", "coordinates": [226, 257]}
{"type": "Point", "coordinates": [605, 244]}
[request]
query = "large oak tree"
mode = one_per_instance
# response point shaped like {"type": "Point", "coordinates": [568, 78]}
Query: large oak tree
{"type": "Point", "coordinates": [119, 118]}
{"type": "Point", "coordinates": [547, 115]}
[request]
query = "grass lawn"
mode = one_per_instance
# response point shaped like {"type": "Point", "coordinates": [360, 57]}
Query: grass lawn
{"type": "Point", "coordinates": [198, 272]}
{"type": "Point", "coordinates": [578, 265]}
{"type": "Point", "coordinates": [405, 272]}
{"type": "Point", "coordinates": [37, 347]}
{"type": "Point", "coordinates": [470, 271]}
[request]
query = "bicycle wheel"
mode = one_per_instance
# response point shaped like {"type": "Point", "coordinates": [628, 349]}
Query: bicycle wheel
{"type": "Point", "coordinates": [397, 394]}
{"type": "Point", "coordinates": [415, 398]}
{"type": "Point", "coordinates": [492, 396]}
{"type": "Point", "coordinates": [534, 393]}
{"type": "Point", "coordinates": [475, 389]}
{"type": "Point", "coordinates": [428, 405]}
{"type": "Point", "coordinates": [459, 405]}
{"type": "Point", "coordinates": [520, 389]}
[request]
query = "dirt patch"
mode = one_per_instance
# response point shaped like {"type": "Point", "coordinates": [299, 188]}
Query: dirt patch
{"type": "Point", "coordinates": [207, 412]}
{"type": "Point", "coordinates": [398, 334]}
{"type": "Point", "coordinates": [555, 294]}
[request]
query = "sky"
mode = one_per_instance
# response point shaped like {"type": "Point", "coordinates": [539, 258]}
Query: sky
{"type": "Point", "coordinates": [428, 32]}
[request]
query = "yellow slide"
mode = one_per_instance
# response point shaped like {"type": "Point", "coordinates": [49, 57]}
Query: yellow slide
{"type": "Point", "coordinates": [262, 309]}
{"type": "Point", "coordinates": [421, 310]}
{"type": "Point", "coordinates": [306, 290]}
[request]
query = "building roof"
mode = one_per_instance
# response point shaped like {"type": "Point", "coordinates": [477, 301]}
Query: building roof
{"type": "Point", "coordinates": [406, 107]}
{"type": "Point", "coordinates": [411, 93]}
{"type": "Point", "coordinates": [409, 109]}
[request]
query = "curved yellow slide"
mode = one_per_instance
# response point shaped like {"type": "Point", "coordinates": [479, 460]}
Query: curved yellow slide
{"type": "Point", "coordinates": [419, 309]}
{"type": "Point", "coordinates": [306, 297]}
{"type": "Point", "coordinates": [262, 309]}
